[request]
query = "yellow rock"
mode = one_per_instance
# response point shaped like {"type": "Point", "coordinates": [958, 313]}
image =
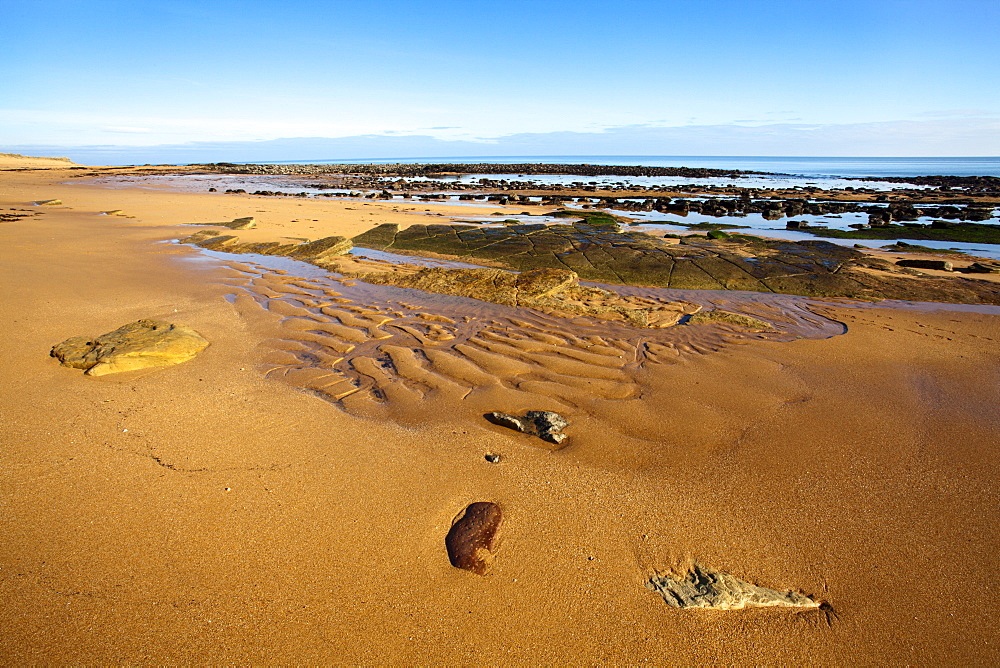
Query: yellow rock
{"type": "Point", "coordinates": [137, 345]}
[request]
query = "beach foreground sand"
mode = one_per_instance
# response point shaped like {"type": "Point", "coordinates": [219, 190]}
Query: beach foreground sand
{"type": "Point", "coordinates": [209, 513]}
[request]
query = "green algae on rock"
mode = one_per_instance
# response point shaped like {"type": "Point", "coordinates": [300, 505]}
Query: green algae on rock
{"type": "Point", "coordinates": [137, 345]}
{"type": "Point", "coordinates": [965, 232]}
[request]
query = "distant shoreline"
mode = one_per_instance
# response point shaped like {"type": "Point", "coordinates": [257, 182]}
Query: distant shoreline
{"type": "Point", "coordinates": [803, 166]}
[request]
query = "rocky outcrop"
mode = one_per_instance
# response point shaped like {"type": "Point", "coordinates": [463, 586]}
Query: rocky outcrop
{"type": "Point", "coordinates": [546, 425]}
{"type": "Point", "coordinates": [967, 183]}
{"type": "Point", "coordinates": [49, 202]}
{"type": "Point", "coordinates": [983, 268]}
{"type": "Point", "coordinates": [471, 541]}
{"type": "Point", "coordinates": [137, 345]}
{"type": "Point", "coordinates": [710, 589]}
{"type": "Point", "coordinates": [740, 262]}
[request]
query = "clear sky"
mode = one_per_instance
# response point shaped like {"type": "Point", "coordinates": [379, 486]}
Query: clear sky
{"type": "Point", "coordinates": [175, 71]}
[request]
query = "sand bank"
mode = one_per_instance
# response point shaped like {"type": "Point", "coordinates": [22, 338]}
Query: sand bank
{"type": "Point", "coordinates": [18, 161]}
{"type": "Point", "coordinates": [214, 512]}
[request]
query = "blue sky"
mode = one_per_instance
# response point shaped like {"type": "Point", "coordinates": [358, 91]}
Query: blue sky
{"type": "Point", "coordinates": [876, 77]}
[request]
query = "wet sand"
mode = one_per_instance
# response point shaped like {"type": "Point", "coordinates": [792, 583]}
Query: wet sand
{"type": "Point", "coordinates": [214, 511]}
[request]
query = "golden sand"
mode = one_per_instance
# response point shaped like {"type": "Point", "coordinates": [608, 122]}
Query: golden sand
{"type": "Point", "coordinates": [215, 512]}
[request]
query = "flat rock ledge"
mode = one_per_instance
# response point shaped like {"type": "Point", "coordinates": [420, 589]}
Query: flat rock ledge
{"type": "Point", "coordinates": [714, 590]}
{"type": "Point", "coordinates": [546, 425]}
{"type": "Point", "coordinates": [555, 291]}
{"type": "Point", "coordinates": [315, 252]}
{"type": "Point", "coordinates": [137, 345]}
{"type": "Point", "coordinates": [245, 223]}
{"type": "Point", "coordinates": [471, 541]}
{"type": "Point", "coordinates": [726, 317]}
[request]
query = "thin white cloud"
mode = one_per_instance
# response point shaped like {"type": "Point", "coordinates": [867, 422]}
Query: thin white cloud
{"type": "Point", "coordinates": [125, 129]}
{"type": "Point", "coordinates": [945, 137]}
{"type": "Point", "coordinates": [959, 113]}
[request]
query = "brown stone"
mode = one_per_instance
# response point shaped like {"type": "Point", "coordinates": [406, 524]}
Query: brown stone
{"type": "Point", "coordinates": [472, 538]}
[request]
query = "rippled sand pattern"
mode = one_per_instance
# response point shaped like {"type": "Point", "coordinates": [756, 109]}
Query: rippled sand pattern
{"type": "Point", "coordinates": [387, 352]}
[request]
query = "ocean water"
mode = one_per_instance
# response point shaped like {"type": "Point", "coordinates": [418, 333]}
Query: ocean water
{"type": "Point", "coordinates": [826, 167]}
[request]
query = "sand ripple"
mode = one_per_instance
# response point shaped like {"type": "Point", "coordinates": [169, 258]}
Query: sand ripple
{"type": "Point", "coordinates": [401, 354]}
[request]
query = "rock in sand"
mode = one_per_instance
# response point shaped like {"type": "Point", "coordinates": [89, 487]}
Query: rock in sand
{"type": "Point", "coordinates": [546, 425]}
{"type": "Point", "coordinates": [137, 345]}
{"type": "Point", "coordinates": [472, 538]}
{"type": "Point", "coordinates": [706, 588]}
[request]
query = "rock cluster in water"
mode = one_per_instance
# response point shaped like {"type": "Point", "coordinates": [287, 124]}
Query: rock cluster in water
{"type": "Point", "coordinates": [413, 169]}
{"type": "Point", "coordinates": [137, 345]}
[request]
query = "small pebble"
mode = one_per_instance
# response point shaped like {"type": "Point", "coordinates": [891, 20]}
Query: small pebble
{"type": "Point", "coordinates": [493, 459]}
